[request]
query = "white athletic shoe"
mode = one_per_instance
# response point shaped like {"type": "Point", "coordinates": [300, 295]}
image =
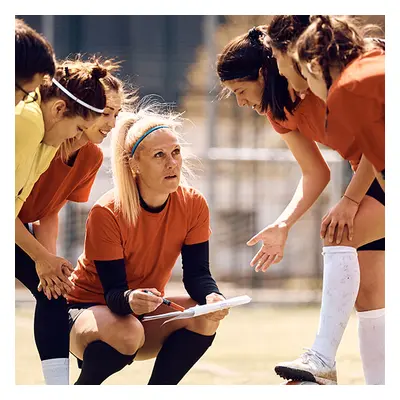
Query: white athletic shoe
{"type": "Point", "coordinates": [308, 367]}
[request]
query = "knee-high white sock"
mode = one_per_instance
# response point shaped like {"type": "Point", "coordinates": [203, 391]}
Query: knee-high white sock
{"type": "Point", "coordinates": [56, 371]}
{"type": "Point", "coordinates": [371, 333]}
{"type": "Point", "coordinates": [341, 281]}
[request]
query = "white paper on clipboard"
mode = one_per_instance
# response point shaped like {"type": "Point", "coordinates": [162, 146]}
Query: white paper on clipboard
{"type": "Point", "coordinates": [201, 310]}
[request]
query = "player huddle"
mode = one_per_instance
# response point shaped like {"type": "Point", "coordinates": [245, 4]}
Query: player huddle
{"type": "Point", "coordinates": [316, 78]}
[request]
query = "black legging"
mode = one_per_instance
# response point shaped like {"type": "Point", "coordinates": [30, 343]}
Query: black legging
{"type": "Point", "coordinates": [51, 317]}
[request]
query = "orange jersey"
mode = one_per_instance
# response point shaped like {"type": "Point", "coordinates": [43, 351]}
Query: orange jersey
{"type": "Point", "coordinates": [356, 104]}
{"type": "Point", "coordinates": [309, 119]}
{"type": "Point", "coordinates": [61, 183]}
{"type": "Point", "coordinates": [149, 249]}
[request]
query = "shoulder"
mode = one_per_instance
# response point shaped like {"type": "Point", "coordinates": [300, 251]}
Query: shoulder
{"type": "Point", "coordinates": [189, 194]}
{"type": "Point", "coordinates": [364, 77]}
{"type": "Point", "coordinates": [286, 126]}
{"type": "Point", "coordinates": [29, 120]}
{"type": "Point", "coordinates": [105, 204]}
{"type": "Point", "coordinates": [191, 201]}
{"type": "Point", "coordinates": [92, 155]}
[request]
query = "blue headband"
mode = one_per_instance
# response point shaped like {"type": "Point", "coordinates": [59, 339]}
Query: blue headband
{"type": "Point", "coordinates": [146, 134]}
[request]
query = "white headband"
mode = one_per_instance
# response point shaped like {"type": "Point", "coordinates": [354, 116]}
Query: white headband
{"type": "Point", "coordinates": [69, 94]}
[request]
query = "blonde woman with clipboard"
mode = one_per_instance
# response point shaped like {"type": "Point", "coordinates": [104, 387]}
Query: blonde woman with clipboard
{"type": "Point", "coordinates": [134, 235]}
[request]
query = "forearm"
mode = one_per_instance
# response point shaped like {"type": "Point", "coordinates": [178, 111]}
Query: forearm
{"type": "Point", "coordinates": [361, 181]}
{"type": "Point", "coordinates": [46, 232]}
{"type": "Point", "coordinates": [197, 277]}
{"type": "Point", "coordinates": [308, 190]}
{"type": "Point", "coordinates": [112, 276]}
{"type": "Point", "coordinates": [27, 242]}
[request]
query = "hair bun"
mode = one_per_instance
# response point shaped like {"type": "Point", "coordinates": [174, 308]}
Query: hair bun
{"type": "Point", "coordinates": [254, 35]}
{"type": "Point", "coordinates": [98, 72]}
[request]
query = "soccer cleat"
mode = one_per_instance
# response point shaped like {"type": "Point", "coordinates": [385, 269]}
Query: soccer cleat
{"type": "Point", "coordinates": [308, 367]}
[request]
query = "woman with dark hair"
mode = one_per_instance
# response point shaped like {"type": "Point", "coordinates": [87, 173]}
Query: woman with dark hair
{"type": "Point", "coordinates": [300, 120]}
{"type": "Point", "coordinates": [34, 58]}
{"type": "Point", "coordinates": [346, 70]}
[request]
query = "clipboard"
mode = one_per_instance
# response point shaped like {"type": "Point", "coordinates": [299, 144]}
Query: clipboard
{"type": "Point", "coordinates": [201, 310]}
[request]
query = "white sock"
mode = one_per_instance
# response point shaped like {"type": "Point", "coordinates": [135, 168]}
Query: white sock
{"type": "Point", "coordinates": [341, 281]}
{"type": "Point", "coordinates": [371, 333]}
{"type": "Point", "coordinates": [56, 371]}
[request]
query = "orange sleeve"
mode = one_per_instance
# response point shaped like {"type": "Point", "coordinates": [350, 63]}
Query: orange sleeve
{"type": "Point", "coordinates": [82, 191]}
{"type": "Point", "coordinates": [199, 226]}
{"type": "Point", "coordinates": [279, 127]}
{"type": "Point", "coordinates": [103, 237]}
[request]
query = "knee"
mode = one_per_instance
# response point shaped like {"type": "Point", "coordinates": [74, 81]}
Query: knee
{"type": "Point", "coordinates": [203, 326]}
{"type": "Point", "coordinates": [83, 336]}
{"type": "Point", "coordinates": [344, 242]}
{"type": "Point", "coordinates": [369, 298]}
{"type": "Point", "coordinates": [128, 336]}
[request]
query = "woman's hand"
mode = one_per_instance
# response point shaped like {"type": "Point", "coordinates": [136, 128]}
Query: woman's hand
{"type": "Point", "coordinates": [142, 302]}
{"type": "Point", "coordinates": [274, 238]}
{"type": "Point", "coordinates": [338, 217]}
{"type": "Point", "coordinates": [53, 273]}
{"type": "Point", "coordinates": [217, 315]}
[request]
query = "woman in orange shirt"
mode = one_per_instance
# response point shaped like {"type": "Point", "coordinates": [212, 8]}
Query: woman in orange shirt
{"type": "Point", "coordinates": [283, 32]}
{"type": "Point", "coordinates": [69, 177]}
{"type": "Point", "coordinates": [247, 67]}
{"type": "Point", "coordinates": [134, 235]}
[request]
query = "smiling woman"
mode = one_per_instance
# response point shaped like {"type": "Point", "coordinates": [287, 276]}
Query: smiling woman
{"type": "Point", "coordinates": [69, 177]}
{"type": "Point", "coordinates": [353, 230]}
{"type": "Point", "coordinates": [134, 235]}
{"type": "Point", "coordinates": [247, 68]}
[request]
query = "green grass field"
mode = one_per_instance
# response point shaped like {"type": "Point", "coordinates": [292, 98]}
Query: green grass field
{"type": "Point", "coordinates": [249, 342]}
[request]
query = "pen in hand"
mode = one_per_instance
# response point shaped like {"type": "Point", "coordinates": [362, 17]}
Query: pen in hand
{"type": "Point", "coordinates": [167, 302]}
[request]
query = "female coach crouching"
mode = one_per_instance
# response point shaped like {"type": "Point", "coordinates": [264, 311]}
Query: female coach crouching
{"type": "Point", "coordinates": [134, 235]}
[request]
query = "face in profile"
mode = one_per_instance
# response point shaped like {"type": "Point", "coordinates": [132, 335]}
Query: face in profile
{"type": "Point", "coordinates": [103, 125]}
{"type": "Point", "coordinates": [59, 127]}
{"type": "Point", "coordinates": [287, 68]}
{"type": "Point", "coordinates": [159, 162]}
{"type": "Point", "coordinates": [248, 93]}
{"type": "Point", "coordinates": [315, 80]}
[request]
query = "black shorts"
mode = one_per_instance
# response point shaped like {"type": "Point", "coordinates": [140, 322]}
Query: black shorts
{"type": "Point", "coordinates": [76, 309]}
{"type": "Point", "coordinates": [376, 192]}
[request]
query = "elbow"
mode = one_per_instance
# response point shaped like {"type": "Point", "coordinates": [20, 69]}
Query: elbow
{"type": "Point", "coordinates": [325, 176]}
{"type": "Point", "coordinates": [320, 176]}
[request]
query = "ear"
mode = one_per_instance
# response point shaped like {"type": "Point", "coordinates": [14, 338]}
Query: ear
{"type": "Point", "coordinates": [314, 68]}
{"type": "Point", "coordinates": [134, 166]}
{"type": "Point", "coordinates": [58, 109]}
